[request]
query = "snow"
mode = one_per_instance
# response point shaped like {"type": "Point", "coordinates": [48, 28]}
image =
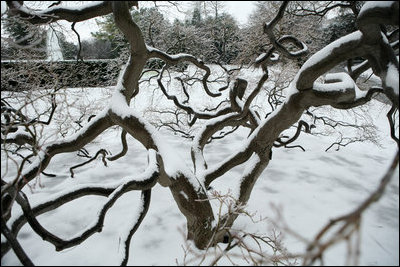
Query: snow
{"type": "Point", "coordinates": [77, 8]}
{"type": "Point", "coordinates": [274, 57]}
{"type": "Point", "coordinates": [295, 53]}
{"type": "Point", "coordinates": [384, 38]}
{"type": "Point", "coordinates": [359, 93]}
{"type": "Point", "coordinates": [38, 159]}
{"type": "Point", "coordinates": [20, 131]}
{"type": "Point", "coordinates": [392, 78]}
{"type": "Point", "coordinates": [375, 4]}
{"type": "Point", "coordinates": [179, 55]}
{"type": "Point", "coordinates": [151, 49]}
{"type": "Point", "coordinates": [339, 82]}
{"type": "Point", "coordinates": [184, 195]}
{"type": "Point", "coordinates": [119, 106]}
{"type": "Point", "coordinates": [326, 51]}
{"type": "Point", "coordinates": [173, 57]}
{"type": "Point", "coordinates": [124, 235]}
{"type": "Point", "coordinates": [309, 188]}
{"type": "Point", "coordinates": [173, 164]}
{"type": "Point", "coordinates": [86, 5]}
{"type": "Point", "coordinates": [260, 56]}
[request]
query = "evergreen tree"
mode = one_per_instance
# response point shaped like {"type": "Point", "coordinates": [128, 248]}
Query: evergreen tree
{"type": "Point", "coordinates": [196, 17]}
{"type": "Point", "coordinates": [69, 49]}
{"type": "Point", "coordinates": [108, 32]}
{"type": "Point", "coordinates": [151, 22]}
{"type": "Point", "coordinates": [25, 41]}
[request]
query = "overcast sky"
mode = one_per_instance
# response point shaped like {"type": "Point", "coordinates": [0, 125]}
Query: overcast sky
{"type": "Point", "coordinates": [238, 9]}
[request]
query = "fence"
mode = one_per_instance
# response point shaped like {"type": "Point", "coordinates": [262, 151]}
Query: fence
{"type": "Point", "coordinates": [29, 74]}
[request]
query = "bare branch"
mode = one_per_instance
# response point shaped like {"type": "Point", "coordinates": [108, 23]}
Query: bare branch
{"type": "Point", "coordinates": [295, 136]}
{"type": "Point", "coordinates": [171, 60]}
{"type": "Point", "coordinates": [389, 115]}
{"type": "Point", "coordinates": [19, 251]}
{"type": "Point", "coordinates": [78, 56]}
{"type": "Point", "coordinates": [145, 182]}
{"type": "Point", "coordinates": [124, 147]}
{"type": "Point", "coordinates": [101, 151]}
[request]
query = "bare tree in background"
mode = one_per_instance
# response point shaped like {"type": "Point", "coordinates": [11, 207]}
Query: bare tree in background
{"type": "Point", "coordinates": [189, 186]}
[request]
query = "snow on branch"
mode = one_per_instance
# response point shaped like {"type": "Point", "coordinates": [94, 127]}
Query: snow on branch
{"type": "Point", "coordinates": [335, 82]}
{"type": "Point", "coordinates": [239, 115]}
{"type": "Point", "coordinates": [55, 13]}
{"type": "Point", "coordinates": [392, 78]}
{"type": "Point", "coordinates": [270, 56]}
{"type": "Point", "coordinates": [375, 8]}
{"type": "Point", "coordinates": [19, 137]}
{"type": "Point", "coordinates": [328, 57]}
{"type": "Point", "coordinates": [206, 132]}
{"type": "Point", "coordinates": [138, 127]}
{"type": "Point", "coordinates": [113, 191]}
{"type": "Point", "coordinates": [385, 63]}
{"type": "Point", "coordinates": [72, 143]}
{"type": "Point", "coordinates": [254, 166]}
{"type": "Point", "coordinates": [136, 221]}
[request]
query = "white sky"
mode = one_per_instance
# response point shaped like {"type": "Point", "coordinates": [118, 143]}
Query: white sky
{"type": "Point", "coordinates": [238, 9]}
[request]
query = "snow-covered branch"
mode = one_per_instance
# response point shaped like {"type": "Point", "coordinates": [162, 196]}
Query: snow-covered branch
{"type": "Point", "coordinates": [190, 179]}
{"type": "Point", "coordinates": [55, 13]}
{"type": "Point", "coordinates": [144, 182]}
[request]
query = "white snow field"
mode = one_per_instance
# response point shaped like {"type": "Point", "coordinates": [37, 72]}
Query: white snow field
{"type": "Point", "coordinates": [308, 188]}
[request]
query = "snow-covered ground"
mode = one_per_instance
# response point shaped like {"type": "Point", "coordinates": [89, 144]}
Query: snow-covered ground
{"type": "Point", "coordinates": [308, 188]}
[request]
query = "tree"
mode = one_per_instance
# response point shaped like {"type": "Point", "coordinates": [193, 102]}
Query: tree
{"type": "Point", "coordinates": [68, 49]}
{"type": "Point", "coordinates": [210, 8]}
{"type": "Point", "coordinates": [22, 34]}
{"type": "Point", "coordinates": [188, 186]}
{"type": "Point", "coordinates": [196, 17]}
{"type": "Point", "coordinates": [150, 20]}
{"type": "Point", "coordinates": [224, 35]}
{"type": "Point", "coordinates": [97, 49]}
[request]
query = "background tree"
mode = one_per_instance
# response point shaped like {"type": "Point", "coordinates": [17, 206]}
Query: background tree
{"type": "Point", "coordinates": [97, 49]}
{"type": "Point", "coordinates": [218, 34]}
{"type": "Point", "coordinates": [21, 34]}
{"type": "Point", "coordinates": [68, 49]}
{"type": "Point", "coordinates": [196, 17]}
{"type": "Point", "coordinates": [108, 32]}
{"type": "Point", "coordinates": [223, 32]}
{"type": "Point", "coordinates": [153, 23]}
